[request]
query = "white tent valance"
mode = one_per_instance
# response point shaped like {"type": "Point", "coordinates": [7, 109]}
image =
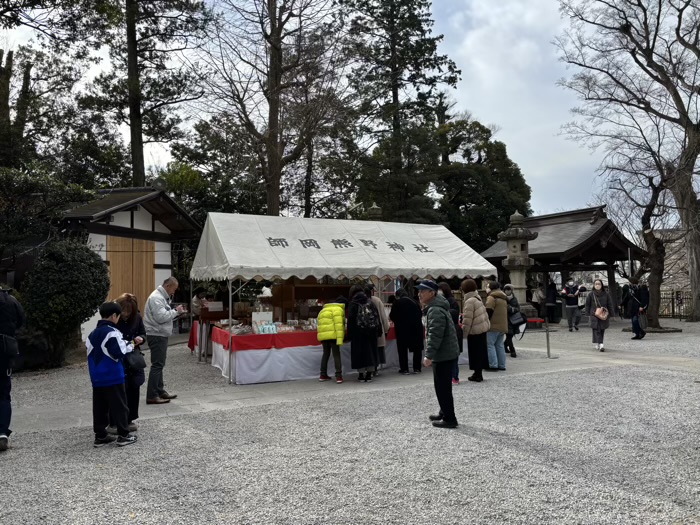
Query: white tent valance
{"type": "Point", "coordinates": [236, 246]}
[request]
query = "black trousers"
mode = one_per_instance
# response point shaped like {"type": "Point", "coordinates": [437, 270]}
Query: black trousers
{"type": "Point", "coordinates": [510, 347]}
{"type": "Point", "coordinates": [110, 401]}
{"type": "Point", "coordinates": [132, 402]}
{"type": "Point", "coordinates": [442, 379]}
{"type": "Point", "coordinates": [403, 350]}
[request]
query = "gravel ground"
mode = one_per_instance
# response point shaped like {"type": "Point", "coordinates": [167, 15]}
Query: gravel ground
{"type": "Point", "coordinates": [683, 344]}
{"type": "Point", "coordinates": [585, 439]}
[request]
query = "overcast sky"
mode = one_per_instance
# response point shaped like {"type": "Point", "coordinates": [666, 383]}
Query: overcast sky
{"type": "Point", "coordinates": [509, 74]}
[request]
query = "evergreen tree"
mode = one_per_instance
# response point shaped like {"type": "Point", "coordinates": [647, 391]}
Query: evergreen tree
{"type": "Point", "coordinates": [479, 194]}
{"type": "Point", "coordinates": [398, 71]}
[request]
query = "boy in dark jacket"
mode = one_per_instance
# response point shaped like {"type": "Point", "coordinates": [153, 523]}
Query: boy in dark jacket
{"type": "Point", "coordinates": [106, 349]}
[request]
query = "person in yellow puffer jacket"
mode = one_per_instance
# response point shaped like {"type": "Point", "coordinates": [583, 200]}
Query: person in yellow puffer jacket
{"type": "Point", "coordinates": [331, 332]}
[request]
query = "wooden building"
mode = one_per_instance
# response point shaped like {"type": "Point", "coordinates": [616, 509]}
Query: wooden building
{"type": "Point", "coordinates": [133, 230]}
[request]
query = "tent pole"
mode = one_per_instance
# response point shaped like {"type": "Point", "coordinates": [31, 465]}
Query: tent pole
{"type": "Point", "coordinates": [199, 328]}
{"type": "Point", "coordinates": [230, 337]}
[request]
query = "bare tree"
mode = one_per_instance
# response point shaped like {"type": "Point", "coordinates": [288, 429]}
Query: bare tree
{"type": "Point", "coordinates": [258, 54]}
{"type": "Point", "coordinates": [638, 174]}
{"type": "Point", "coordinates": [638, 65]}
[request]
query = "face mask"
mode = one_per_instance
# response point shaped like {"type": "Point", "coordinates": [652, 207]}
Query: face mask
{"type": "Point", "coordinates": [570, 283]}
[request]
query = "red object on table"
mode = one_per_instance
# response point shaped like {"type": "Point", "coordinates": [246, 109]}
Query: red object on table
{"type": "Point", "coordinates": [268, 341]}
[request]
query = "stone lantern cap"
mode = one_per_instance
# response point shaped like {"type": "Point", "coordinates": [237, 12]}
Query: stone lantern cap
{"type": "Point", "coordinates": [516, 230]}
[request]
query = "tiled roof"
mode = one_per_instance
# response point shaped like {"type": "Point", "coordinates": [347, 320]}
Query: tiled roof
{"type": "Point", "coordinates": [109, 202]}
{"type": "Point", "coordinates": [563, 236]}
{"type": "Point", "coordinates": [156, 202]}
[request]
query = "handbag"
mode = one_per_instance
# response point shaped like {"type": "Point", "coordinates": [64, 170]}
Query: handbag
{"type": "Point", "coordinates": [135, 359]}
{"type": "Point", "coordinates": [517, 318]}
{"type": "Point", "coordinates": [600, 312]}
{"type": "Point", "coordinates": [643, 321]}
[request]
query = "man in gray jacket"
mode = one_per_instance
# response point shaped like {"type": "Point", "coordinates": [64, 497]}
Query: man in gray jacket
{"type": "Point", "coordinates": [158, 319]}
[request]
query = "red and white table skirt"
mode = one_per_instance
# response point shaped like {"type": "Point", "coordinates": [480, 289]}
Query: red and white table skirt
{"type": "Point", "coordinates": [289, 356]}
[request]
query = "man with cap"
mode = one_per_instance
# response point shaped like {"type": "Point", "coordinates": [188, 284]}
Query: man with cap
{"type": "Point", "coordinates": [442, 350]}
{"type": "Point", "coordinates": [11, 318]}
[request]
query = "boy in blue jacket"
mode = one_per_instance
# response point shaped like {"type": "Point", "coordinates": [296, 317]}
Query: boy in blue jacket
{"type": "Point", "coordinates": [106, 349]}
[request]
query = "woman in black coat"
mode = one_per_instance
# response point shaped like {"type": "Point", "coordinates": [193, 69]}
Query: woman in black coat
{"type": "Point", "coordinates": [131, 326]}
{"type": "Point", "coordinates": [407, 317]}
{"type": "Point", "coordinates": [599, 298]}
{"type": "Point", "coordinates": [637, 303]}
{"type": "Point", "coordinates": [363, 344]}
{"type": "Point", "coordinates": [513, 307]}
{"type": "Point", "coordinates": [454, 313]}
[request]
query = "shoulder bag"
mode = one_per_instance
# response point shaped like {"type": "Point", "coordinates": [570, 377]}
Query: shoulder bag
{"type": "Point", "coordinates": [600, 312]}
{"type": "Point", "coordinates": [135, 359]}
{"type": "Point", "coordinates": [517, 318]}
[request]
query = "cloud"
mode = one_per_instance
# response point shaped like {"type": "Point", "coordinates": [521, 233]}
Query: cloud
{"type": "Point", "coordinates": [509, 74]}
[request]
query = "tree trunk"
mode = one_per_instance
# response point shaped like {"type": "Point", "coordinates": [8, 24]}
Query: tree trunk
{"type": "Point", "coordinates": [22, 111]}
{"type": "Point", "coordinates": [686, 200]}
{"type": "Point", "coordinates": [308, 180]}
{"type": "Point", "coordinates": [656, 260]}
{"type": "Point", "coordinates": [12, 133]}
{"type": "Point", "coordinates": [395, 72]}
{"type": "Point", "coordinates": [5, 123]}
{"type": "Point", "coordinates": [134, 87]}
{"type": "Point", "coordinates": [655, 263]}
{"type": "Point", "coordinates": [441, 117]}
{"type": "Point", "coordinates": [272, 138]}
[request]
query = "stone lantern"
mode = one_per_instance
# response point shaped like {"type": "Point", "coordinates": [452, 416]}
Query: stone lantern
{"type": "Point", "coordinates": [374, 213]}
{"type": "Point", "coordinates": [517, 259]}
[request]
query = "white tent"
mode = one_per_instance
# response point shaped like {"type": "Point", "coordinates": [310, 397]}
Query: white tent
{"type": "Point", "coordinates": [247, 247]}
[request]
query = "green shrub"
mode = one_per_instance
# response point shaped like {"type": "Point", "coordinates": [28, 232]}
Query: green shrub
{"type": "Point", "coordinates": [64, 288]}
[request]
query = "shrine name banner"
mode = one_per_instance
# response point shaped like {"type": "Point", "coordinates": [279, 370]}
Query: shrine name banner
{"type": "Point", "coordinates": [236, 246]}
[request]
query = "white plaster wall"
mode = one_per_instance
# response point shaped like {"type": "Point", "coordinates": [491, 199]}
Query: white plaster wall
{"type": "Point", "coordinates": [161, 275]}
{"type": "Point", "coordinates": [123, 218]}
{"type": "Point", "coordinates": [161, 228]}
{"type": "Point", "coordinates": [143, 220]}
{"type": "Point", "coordinates": [98, 243]}
{"type": "Point", "coordinates": [89, 325]}
{"type": "Point", "coordinates": [163, 253]}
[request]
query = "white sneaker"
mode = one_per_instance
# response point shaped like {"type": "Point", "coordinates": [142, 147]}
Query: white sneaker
{"type": "Point", "coordinates": [3, 442]}
{"type": "Point", "coordinates": [601, 347]}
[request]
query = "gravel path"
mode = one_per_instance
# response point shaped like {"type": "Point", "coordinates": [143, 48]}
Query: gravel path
{"type": "Point", "coordinates": [607, 445]}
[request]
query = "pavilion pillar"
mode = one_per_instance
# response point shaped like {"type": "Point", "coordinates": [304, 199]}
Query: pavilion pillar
{"type": "Point", "coordinates": [612, 290]}
{"type": "Point", "coordinates": [518, 260]}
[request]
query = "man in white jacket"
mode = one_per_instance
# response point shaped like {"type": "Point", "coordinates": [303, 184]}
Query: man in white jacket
{"type": "Point", "coordinates": [158, 319]}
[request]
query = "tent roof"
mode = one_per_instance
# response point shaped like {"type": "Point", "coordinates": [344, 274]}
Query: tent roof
{"type": "Point", "coordinates": [237, 246]}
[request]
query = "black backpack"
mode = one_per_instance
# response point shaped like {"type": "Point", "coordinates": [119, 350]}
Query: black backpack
{"type": "Point", "coordinates": [368, 319]}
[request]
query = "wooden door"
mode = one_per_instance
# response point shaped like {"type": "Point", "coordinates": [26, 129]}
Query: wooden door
{"type": "Point", "coordinates": [144, 275]}
{"type": "Point", "coordinates": [131, 267]}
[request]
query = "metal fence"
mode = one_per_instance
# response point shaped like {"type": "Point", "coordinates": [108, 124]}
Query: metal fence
{"type": "Point", "coordinates": [675, 304]}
